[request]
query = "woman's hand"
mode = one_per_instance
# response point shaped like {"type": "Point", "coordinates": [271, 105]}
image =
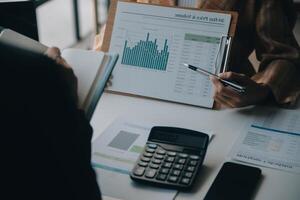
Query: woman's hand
{"type": "Point", "coordinates": [54, 53]}
{"type": "Point", "coordinates": [255, 92]}
{"type": "Point", "coordinates": [71, 79]}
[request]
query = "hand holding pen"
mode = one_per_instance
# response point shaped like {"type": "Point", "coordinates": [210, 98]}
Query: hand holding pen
{"type": "Point", "coordinates": [241, 92]}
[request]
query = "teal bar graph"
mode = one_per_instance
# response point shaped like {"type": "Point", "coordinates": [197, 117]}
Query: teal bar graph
{"type": "Point", "coordinates": [145, 54]}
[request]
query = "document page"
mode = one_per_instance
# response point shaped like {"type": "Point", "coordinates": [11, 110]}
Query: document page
{"type": "Point", "coordinates": [85, 65]}
{"type": "Point", "coordinates": [188, 3]}
{"type": "Point", "coordinates": [271, 140]}
{"type": "Point", "coordinates": [114, 154]}
{"type": "Point", "coordinates": [153, 43]}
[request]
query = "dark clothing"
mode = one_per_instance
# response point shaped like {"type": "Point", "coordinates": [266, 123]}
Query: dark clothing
{"type": "Point", "coordinates": [45, 138]}
{"type": "Point", "coordinates": [19, 16]}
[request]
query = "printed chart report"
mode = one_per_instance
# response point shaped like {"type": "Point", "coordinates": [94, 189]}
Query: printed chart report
{"type": "Point", "coordinates": [154, 41]}
{"type": "Point", "coordinates": [272, 140]}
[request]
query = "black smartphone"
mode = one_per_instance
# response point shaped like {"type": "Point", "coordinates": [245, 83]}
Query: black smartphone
{"type": "Point", "coordinates": [234, 182]}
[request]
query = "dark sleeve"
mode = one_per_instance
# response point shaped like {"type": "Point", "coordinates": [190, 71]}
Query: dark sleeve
{"type": "Point", "coordinates": [19, 16]}
{"type": "Point", "coordinates": [56, 130]}
{"type": "Point", "coordinates": [68, 131]}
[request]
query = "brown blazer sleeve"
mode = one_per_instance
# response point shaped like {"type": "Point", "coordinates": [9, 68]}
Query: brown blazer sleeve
{"type": "Point", "coordinates": [269, 25]}
{"type": "Point", "coordinates": [274, 43]}
{"type": "Point", "coordinates": [277, 49]}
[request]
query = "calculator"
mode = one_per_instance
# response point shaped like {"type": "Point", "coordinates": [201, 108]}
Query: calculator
{"type": "Point", "coordinates": [172, 157]}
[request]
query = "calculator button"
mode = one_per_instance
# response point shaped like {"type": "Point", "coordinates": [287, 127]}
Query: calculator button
{"type": "Point", "coordinates": [176, 172]}
{"type": "Point", "coordinates": [178, 166]}
{"type": "Point", "coordinates": [164, 170]}
{"type": "Point", "coordinates": [145, 159]}
{"type": "Point", "coordinates": [154, 166]}
{"type": "Point", "coordinates": [156, 161]}
{"type": "Point", "coordinates": [161, 177]}
{"type": "Point", "coordinates": [171, 153]}
{"type": "Point", "coordinates": [188, 174]}
{"type": "Point", "coordinates": [183, 155]}
{"type": "Point", "coordinates": [170, 159]}
{"type": "Point", "coordinates": [173, 179]}
{"type": "Point", "coordinates": [157, 156]}
{"type": "Point", "coordinates": [143, 164]}
{"type": "Point", "coordinates": [193, 163]}
{"type": "Point", "coordinates": [149, 155]}
{"type": "Point", "coordinates": [139, 171]}
{"type": "Point", "coordinates": [153, 146]}
{"type": "Point", "coordinates": [161, 152]}
{"type": "Point", "coordinates": [190, 169]}
{"type": "Point", "coordinates": [181, 161]}
{"type": "Point", "coordinates": [150, 173]}
{"type": "Point", "coordinates": [194, 157]}
{"type": "Point", "coordinates": [149, 150]}
{"type": "Point", "coordinates": [185, 181]}
{"type": "Point", "coordinates": [167, 165]}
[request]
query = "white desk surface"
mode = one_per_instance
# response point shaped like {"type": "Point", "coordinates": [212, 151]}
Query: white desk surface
{"type": "Point", "coordinates": [226, 125]}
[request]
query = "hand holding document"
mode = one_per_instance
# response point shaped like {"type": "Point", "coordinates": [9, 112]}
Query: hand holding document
{"type": "Point", "coordinates": [153, 41]}
{"type": "Point", "coordinates": [93, 68]}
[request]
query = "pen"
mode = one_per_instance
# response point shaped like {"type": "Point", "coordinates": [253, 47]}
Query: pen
{"type": "Point", "coordinates": [234, 86]}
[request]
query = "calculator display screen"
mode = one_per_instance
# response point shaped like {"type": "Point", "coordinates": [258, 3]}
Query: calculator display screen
{"type": "Point", "coordinates": [179, 139]}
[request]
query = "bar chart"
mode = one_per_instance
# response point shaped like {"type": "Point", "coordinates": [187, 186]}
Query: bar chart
{"type": "Point", "coordinates": [146, 54]}
{"type": "Point", "coordinates": [154, 41]}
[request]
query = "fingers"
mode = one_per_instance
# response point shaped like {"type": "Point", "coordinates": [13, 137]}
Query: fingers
{"type": "Point", "coordinates": [223, 101]}
{"type": "Point", "coordinates": [109, 82]}
{"type": "Point", "coordinates": [217, 96]}
{"type": "Point", "coordinates": [225, 95]}
{"type": "Point", "coordinates": [241, 78]}
{"type": "Point", "coordinates": [225, 91]}
{"type": "Point", "coordinates": [55, 54]}
{"type": "Point", "coordinates": [62, 61]}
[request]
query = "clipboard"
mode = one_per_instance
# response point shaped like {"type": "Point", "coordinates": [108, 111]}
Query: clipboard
{"type": "Point", "coordinates": [225, 42]}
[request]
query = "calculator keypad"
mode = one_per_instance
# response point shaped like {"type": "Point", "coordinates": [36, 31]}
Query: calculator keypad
{"type": "Point", "coordinates": [159, 165]}
{"type": "Point", "coordinates": [139, 171]}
